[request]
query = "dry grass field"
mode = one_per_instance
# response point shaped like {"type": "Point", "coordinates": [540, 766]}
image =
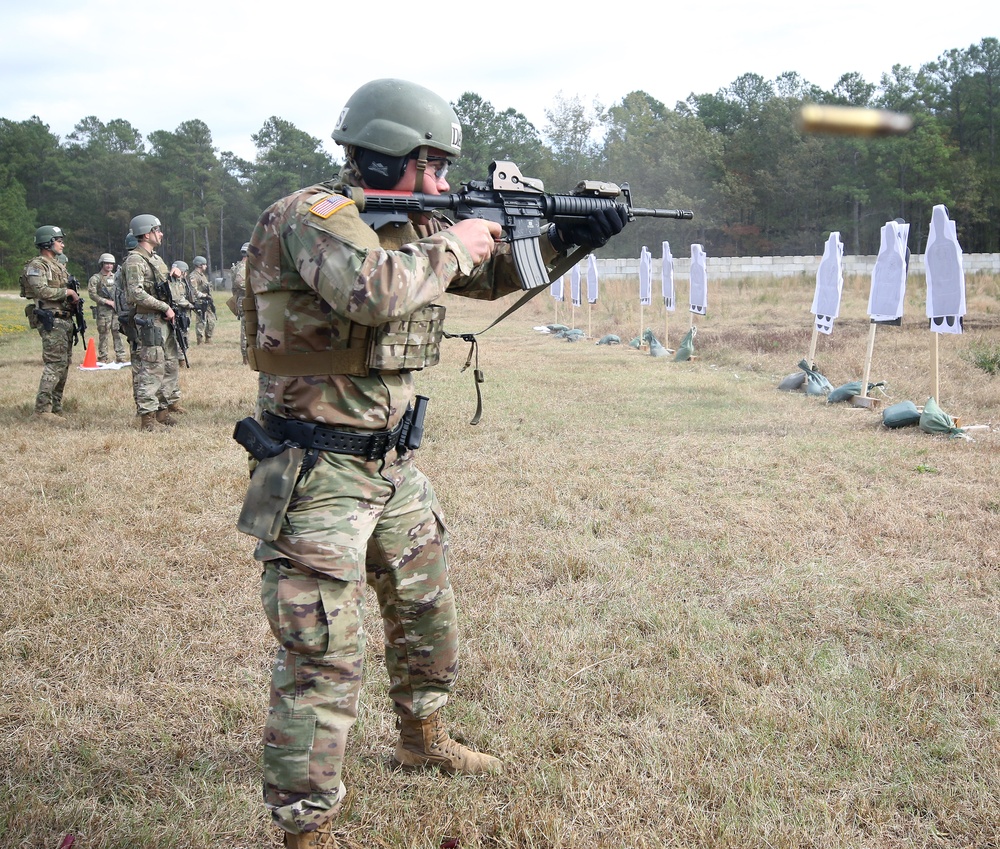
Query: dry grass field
{"type": "Point", "coordinates": [695, 611]}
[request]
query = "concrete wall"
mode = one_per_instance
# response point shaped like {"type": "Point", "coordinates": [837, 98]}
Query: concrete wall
{"type": "Point", "coordinates": [735, 267]}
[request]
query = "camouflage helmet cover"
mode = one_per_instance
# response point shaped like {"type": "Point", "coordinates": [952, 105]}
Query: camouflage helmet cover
{"type": "Point", "coordinates": [46, 235]}
{"type": "Point", "coordinates": [396, 117]}
{"type": "Point", "coordinates": [142, 224]}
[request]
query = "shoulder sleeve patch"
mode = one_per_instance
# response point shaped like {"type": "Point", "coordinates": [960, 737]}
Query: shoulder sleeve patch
{"type": "Point", "coordinates": [329, 205]}
{"type": "Point", "coordinates": [32, 271]}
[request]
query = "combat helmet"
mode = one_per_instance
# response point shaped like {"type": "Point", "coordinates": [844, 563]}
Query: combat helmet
{"type": "Point", "coordinates": [199, 260]}
{"type": "Point", "coordinates": [142, 224]}
{"type": "Point", "coordinates": [179, 263]}
{"type": "Point", "coordinates": [384, 121]}
{"type": "Point", "coordinates": [106, 258]}
{"type": "Point", "coordinates": [245, 248]}
{"type": "Point", "coordinates": [396, 117]}
{"type": "Point", "coordinates": [45, 236]}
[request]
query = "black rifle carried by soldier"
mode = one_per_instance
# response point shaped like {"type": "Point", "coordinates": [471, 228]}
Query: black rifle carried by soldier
{"type": "Point", "coordinates": [79, 320]}
{"type": "Point", "coordinates": [518, 204]}
{"type": "Point", "coordinates": [126, 314]}
{"type": "Point", "coordinates": [204, 305]}
{"type": "Point", "coordinates": [181, 320]}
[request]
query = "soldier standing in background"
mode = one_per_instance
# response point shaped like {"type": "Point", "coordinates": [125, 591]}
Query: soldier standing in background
{"type": "Point", "coordinates": [154, 367]}
{"type": "Point", "coordinates": [101, 289]}
{"type": "Point", "coordinates": [203, 303]}
{"type": "Point", "coordinates": [238, 278]}
{"type": "Point", "coordinates": [46, 282]}
{"type": "Point", "coordinates": [182, 300]}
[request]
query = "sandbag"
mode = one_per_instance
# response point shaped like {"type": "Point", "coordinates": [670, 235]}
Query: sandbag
{"type": "Point", "coordinates": [903, 414]}
{"type": "Point", "coordinates": [793, 382]}
{"type": "Point", "coordinates": [935, 420]}
{"type": "Point", "coordinates": [844, 393]}
{"type": "Point", "coordinates": [686, 349]}
{"type": "Point", "coordinates": [816, 383]}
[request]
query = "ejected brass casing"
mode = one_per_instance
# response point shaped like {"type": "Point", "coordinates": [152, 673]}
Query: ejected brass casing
{"type": "Point", "coordinates": [853, 121]}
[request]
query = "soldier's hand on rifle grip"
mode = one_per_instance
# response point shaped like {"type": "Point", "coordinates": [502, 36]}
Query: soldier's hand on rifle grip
{"type": "Point", "coordinates": [169, 314]}
{"type": "Point", "coordinates": [479, 237]}
{"type": "Point", "coordinates": [596, 229]}
{"type": "Point", "coordinates": [73, 296]}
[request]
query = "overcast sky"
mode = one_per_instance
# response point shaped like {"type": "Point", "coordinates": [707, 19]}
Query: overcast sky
{"type": "Point", "coordinates": [235, 66]}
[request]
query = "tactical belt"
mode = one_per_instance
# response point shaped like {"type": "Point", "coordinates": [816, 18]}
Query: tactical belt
{"type": "Point", "coordinates": [371, 446]}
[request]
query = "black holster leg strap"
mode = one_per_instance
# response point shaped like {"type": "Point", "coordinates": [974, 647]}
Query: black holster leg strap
{"type": "Point", "coordinates": [372, 446]}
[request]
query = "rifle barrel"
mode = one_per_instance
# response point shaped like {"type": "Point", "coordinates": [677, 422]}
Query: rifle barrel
{"type": "Point", "coordinates": [683, 214]}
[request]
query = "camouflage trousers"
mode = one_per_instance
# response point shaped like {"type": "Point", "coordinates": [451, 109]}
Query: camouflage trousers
{"type": "Point", "coordinates": [57, 352]}
{"type": "Point", "coordinates": [154, 372]}
{"type": "Point", "coordinates": [205, 327]}
{"type": "Point", "coordinates": [107, 329]}
{"type": "Point", "coordinates": [350, 521]}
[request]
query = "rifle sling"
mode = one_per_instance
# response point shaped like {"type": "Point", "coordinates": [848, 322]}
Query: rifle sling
{"type": "Point", "coordinates": [558, 270]}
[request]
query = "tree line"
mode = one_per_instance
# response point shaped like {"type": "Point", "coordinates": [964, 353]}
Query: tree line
{"type": "Point", "coordinates": [757, 184]}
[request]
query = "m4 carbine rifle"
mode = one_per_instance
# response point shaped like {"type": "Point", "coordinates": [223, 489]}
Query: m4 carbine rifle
{"type": "Point", "coordinates": [519, 204]}
{"type": "Point", "coordinates": [181, 320]}
{"type": "Point", "coordinates": [79, 320]}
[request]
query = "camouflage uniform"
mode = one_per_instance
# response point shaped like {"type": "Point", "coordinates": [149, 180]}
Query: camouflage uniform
{"type": "Point", "coordinates": [154, 365]}
{"type": "Point", "coordinates": [238, 278]}
{"type": "Point", "coordinates": [324, 280]}
{"type": "Point", "coordinates": [45, 282]}
{"type": "Point", "coordinates": [101, 289]}
{"type": "Point", "coordinates": [202, 289]}
{"type": "Point", "coordinates": [181, 299]}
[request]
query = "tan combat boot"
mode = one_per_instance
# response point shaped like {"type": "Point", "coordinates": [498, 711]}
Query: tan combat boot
{"type": "Point", "coordinates": [147, 422]}
{"type": "Point", "coordinates": [164, 418]}
{"type": "Point", "coordinates": [425, 742]}
{"type": "Point", "coordinates": [50, 418]}
{"type": "Point", "coordinates": [176, 408]}
{"type": "Point", "coordinates": [322, 838]}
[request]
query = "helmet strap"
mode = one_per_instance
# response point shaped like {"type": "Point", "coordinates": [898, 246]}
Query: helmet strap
{"type": "Point", "coordinates": [418, 183]}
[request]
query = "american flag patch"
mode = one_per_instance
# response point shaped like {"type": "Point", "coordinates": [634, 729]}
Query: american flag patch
{"type": "Point", "coordinates": [329, 205]}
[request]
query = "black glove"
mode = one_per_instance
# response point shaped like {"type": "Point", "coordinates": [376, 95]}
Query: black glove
{"type": "Point", "coordinates": [594, 231]}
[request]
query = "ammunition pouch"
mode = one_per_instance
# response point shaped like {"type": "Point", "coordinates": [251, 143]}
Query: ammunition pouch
{"type": "Point", "coordinates": [409, 344]}
{"type": "Point", "coordinates": [29, 313]}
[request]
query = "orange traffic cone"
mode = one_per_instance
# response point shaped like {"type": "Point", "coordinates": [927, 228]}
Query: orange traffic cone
{"type": "Point", "coordinates": [90, 358]}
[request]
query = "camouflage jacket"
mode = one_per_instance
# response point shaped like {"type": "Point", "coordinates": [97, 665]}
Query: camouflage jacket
{"type": "Point", "coordinates": [317, 272]}
{"type": "Point", "coordinates": [237, 277]}
{"type": "Point", "coordinates": [101, 290]}
{"type": "Point", "coordinates": [200, 285]}
{"type": "Point", "coordinates": [141, 271]}
{"type": "Point", "coordinates": [180, 293]}
{"type": "Point", "coordinates": [46, 281]}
